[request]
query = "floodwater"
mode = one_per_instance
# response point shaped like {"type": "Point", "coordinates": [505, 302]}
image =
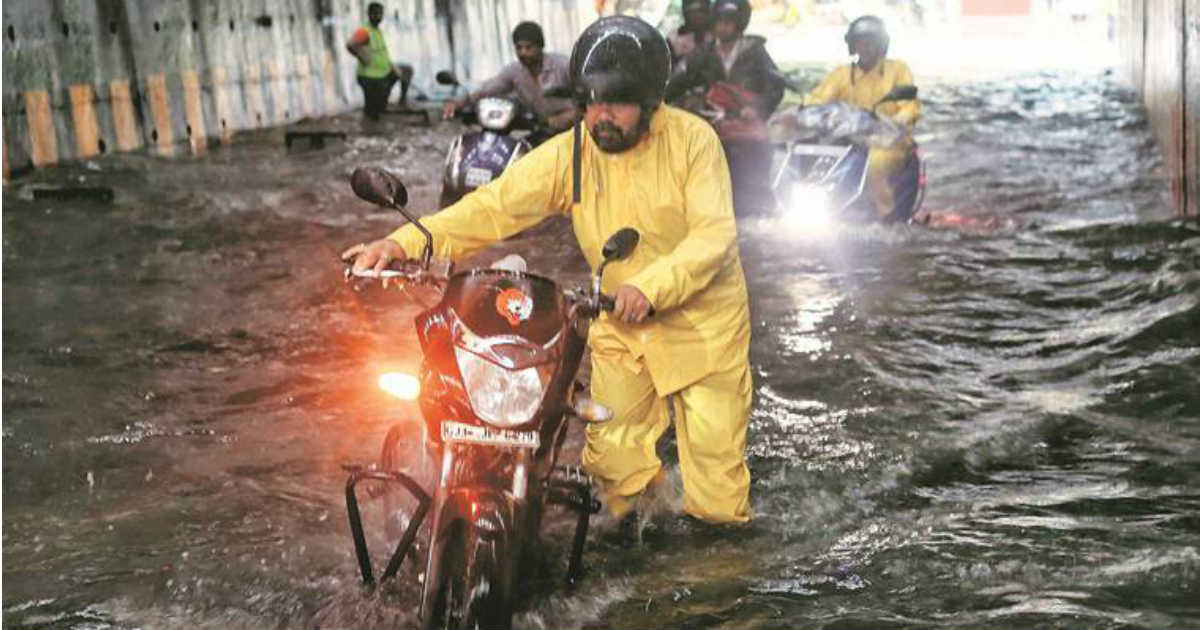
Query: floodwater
{"type": "Point", "coordinates": [951, 429]}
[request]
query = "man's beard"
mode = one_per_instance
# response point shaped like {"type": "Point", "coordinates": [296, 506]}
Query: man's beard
{"type": "Point", "coordinates": [612, 139]}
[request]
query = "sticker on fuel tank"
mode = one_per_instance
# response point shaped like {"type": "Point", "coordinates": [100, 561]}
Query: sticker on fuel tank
{"type": "Point", "coordinates": [514, 306]}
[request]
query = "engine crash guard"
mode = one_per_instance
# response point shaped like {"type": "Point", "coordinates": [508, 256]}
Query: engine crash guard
{"type": "Point", "coordinates": [356, 528]}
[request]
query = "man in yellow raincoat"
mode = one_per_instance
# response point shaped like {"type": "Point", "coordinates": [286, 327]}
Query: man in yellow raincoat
{"type": "Point", "coordinates": [661, 171]}
{"type": "Point", "coordinates": [862, 84]}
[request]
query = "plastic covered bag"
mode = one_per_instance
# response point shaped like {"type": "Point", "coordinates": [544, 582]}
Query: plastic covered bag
{"type": "Point", "coordinates": [835, 123]}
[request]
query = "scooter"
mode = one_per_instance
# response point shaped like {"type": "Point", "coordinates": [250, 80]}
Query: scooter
{"type": "Point", "coordinates": [747, 148]}
{"type": "Point", "coordinates": [481, 155]}
{"type": "Point", "coordinates": [502, 350]}
{"type": "Point", "coordinates": [823, 175]}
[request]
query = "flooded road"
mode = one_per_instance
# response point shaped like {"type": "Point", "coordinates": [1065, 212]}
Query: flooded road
{"type": "Point", "coordinates": [951, 429]}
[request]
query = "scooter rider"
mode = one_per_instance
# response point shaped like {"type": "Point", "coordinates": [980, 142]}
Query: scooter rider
{"type": "Point", "coordinates": [739, 61]}
{"type": "Point", "coordinates": [534, 72]}
{"type": "Point", "coordinates": [862, 84]}
{"type": "Point", "coordinates": [635, 162]}
{"type": "Point", "coordinates": [695, 33]}
{"type": "Point", "coordinates": [734, 57]}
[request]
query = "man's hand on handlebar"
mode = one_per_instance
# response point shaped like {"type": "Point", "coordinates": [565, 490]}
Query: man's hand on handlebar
{"type": "Point", "coordinates": [632, 306]}
{"type": "Point", "coordinates": [375, 256]}
{"type": "Point", "coordinates": [450, 107]}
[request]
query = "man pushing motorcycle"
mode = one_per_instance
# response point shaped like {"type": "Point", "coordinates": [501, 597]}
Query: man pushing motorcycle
{"type": "Point", "coordinates": [675, 348]}
{"type": "Point", "coordinates": [862, 84]}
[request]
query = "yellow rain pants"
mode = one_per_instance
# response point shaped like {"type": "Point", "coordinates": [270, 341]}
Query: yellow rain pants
{"type": "Point", "coordinates": [674, 188]}
{"type": "Point", "coordinates": [710, 431]}
{"type": "Point", "coordinates": [849, 84]}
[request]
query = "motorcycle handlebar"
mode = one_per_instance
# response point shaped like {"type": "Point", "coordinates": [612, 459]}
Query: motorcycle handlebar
{"type": "Point", "coordinates": [593, 304]}
{"type": "Point", "coordinates": [407, 271]}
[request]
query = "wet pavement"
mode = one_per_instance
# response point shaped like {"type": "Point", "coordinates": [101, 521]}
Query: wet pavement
{"type": "Point", "coordinates": [983, 429]}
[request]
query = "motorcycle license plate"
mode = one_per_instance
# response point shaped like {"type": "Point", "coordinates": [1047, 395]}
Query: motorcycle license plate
{"type": "Point", "coordinates": [478, 176]}
{"type": "Point", "coordinates": [475, 434]}
{"type": "Point", "coordinates": [820, 150]}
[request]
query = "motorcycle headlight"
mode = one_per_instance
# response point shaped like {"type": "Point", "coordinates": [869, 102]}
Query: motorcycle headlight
{"type": "Point", "coordinates": [495, 113]}
{"type": "Point", "coordinates": [809, 209]}
{"type": "Point", "coordinates": [504, 398]}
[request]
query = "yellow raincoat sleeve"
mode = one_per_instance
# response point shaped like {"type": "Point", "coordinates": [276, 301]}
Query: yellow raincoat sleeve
{"type": "Point", "coordinates": [830, 88]}
{"type": "Point", "coordinates": [527, 192]}
{"type": "Point", "coordinates": [711, 240]}
{"type": "Point", "coordinates": [904, 112]}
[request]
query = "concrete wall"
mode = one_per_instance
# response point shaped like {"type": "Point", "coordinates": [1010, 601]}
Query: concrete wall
{"type": "Point", "coordinates": [1160, 42]}
{"type": "Point", "coordinates": [85, 77]}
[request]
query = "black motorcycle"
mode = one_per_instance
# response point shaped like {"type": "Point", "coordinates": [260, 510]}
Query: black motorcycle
{"type": "Point", "coordinates": [481, 155]}
{"type": "Point", "coordinates": [501, 351]}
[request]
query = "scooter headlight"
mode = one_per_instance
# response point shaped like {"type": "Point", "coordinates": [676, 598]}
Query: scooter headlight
{"type": "Point", "coordinates": [809, 209]}
{"type": "Point", "coordinates": [495, 113]}
{"type": "Point", "coordinates": [501, 397]}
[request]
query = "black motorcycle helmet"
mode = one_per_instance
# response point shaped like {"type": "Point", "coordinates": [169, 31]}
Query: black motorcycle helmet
{"type": "Point", "coordinates": [620, 59]}
{"type": "Point", "coordinates": [738, 10]}
{"type": "Point", "coordinates": [867, 27]}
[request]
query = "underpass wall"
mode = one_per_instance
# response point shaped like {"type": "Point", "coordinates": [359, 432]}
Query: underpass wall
{"type": "Point", "coordinates": [1160, 43]}
{"type": "Point", "coordinates": [87, 77]}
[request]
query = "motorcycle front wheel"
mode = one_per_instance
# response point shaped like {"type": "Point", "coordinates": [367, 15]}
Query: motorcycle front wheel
{"type": "Point", "coordinates": [468, 593]}
{"type": "Point", "coordinates": [397, 505]}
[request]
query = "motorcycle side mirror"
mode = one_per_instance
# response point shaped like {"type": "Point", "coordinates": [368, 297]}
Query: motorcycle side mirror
{"type": "Point", "coordinates": [379, 187]}
{"type": "Point", "coordinates": [900, 93]}
{"type": "Point", "coordinates": [385, 189]}
{"type": "Point", "coordinates": [445, 77]}
{"type": "Point", "coordinates": [620, 244]}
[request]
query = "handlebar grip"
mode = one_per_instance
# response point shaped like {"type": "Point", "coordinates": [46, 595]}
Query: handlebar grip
{"type": "Point", "coordinates": [608, 303]}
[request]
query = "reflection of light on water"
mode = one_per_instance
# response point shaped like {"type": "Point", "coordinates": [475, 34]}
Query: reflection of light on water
{"type": "Point", "coordinates": [802, 334]}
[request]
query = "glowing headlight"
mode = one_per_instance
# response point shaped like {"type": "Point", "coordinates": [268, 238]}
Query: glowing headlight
{"type": "Point", "coordinates": [809, 209]}
{"type": "Point", "coordinates": [495, 113]}
{"type": "Point", "coordinates": [505, 398]}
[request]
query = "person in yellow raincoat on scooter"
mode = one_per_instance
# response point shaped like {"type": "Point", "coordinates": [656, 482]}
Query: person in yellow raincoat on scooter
{"type": "Point", "coordinates": [635, 162]}
{"type": "Point", "coordinates": [862, 84]}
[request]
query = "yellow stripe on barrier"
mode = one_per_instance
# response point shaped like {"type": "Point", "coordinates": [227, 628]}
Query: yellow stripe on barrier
{"type": "Point", "coordinates": [220, 86]}
{"type": "Point", "coordinates": [197, 136]}
{"type": "Point", "coordinates": [43, 144]}
{"type": "Point", "coordinates": [83, 111]}
{"type": "Point", "coordinates": [331, 95]}
{"type": "Point", "coordinates": [278, 90]}
{"type": "Point", "coordinates": [122, 110]}
{"type": "Point", "coordinates": [304, 81]}
{"type": "Point", "coordinates": [160, 106]}
{"type": "Point", "coordinates": [254, 94]}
